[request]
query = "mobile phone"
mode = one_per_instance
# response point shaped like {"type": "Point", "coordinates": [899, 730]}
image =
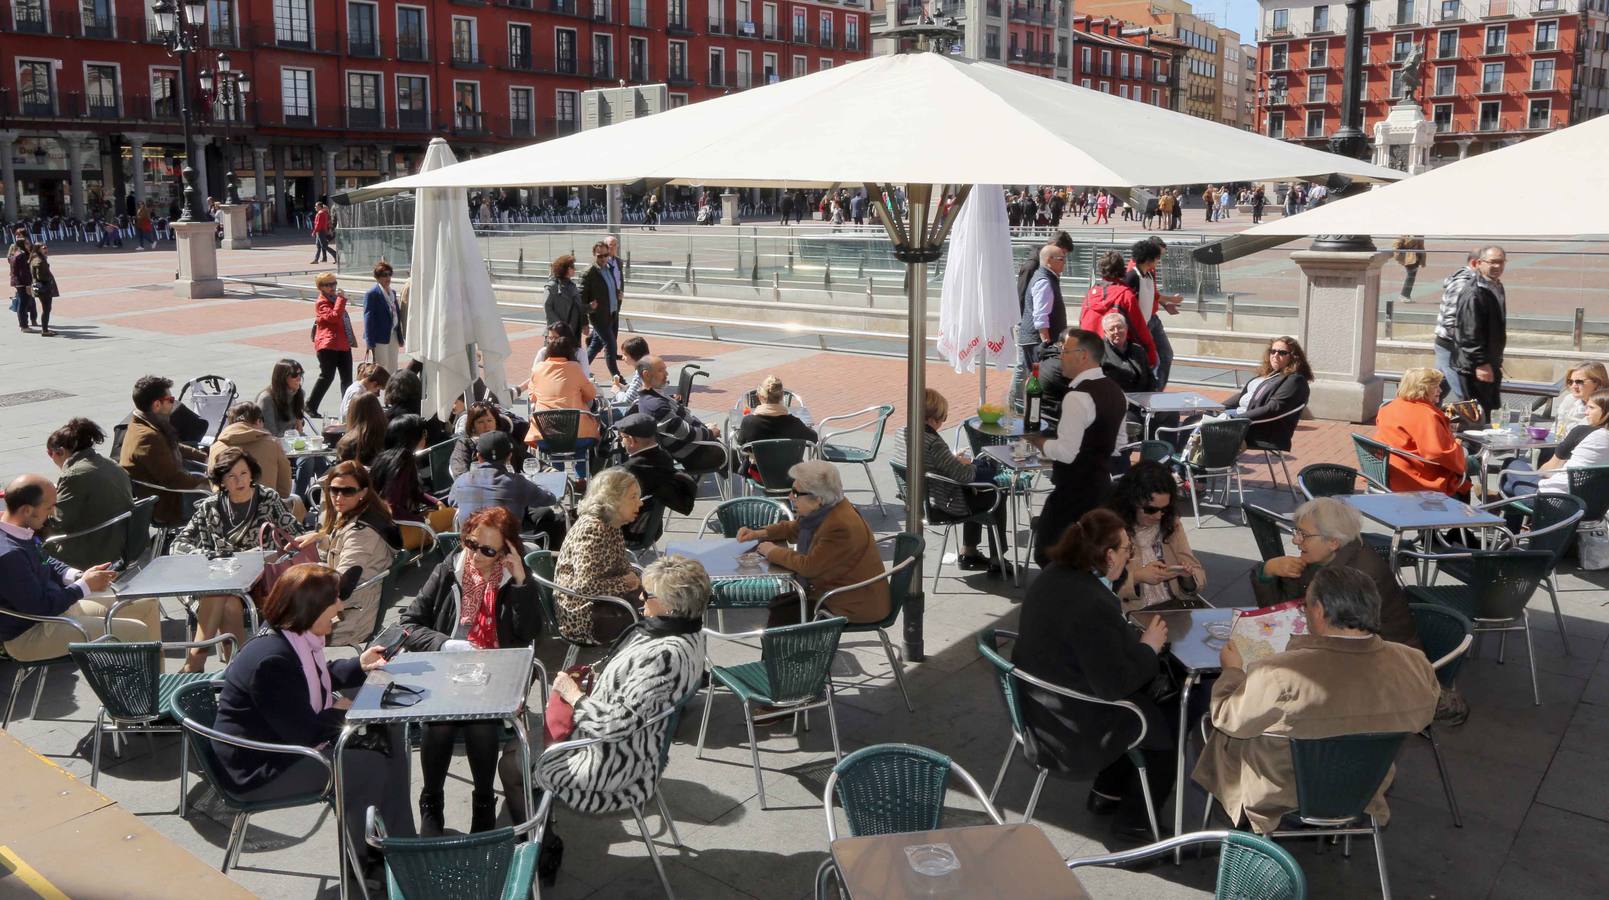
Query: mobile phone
{"type": "Point", "coordinates": [392, 649]}
{"type": "Point", "coordinates": [117, 566]}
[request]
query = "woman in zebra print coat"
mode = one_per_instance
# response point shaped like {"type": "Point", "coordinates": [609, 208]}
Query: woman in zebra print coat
{"type": "Point", "coordinates": [655, 664]}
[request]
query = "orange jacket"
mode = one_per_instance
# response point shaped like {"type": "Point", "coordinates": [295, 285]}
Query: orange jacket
{"type": "Point", "coordinates": [1418, 427]}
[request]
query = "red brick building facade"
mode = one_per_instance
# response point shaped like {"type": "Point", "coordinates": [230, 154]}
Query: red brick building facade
{"type": "Point", "coordinates": [1121, 58]}
{"type": "Point", "coordinates": [345, 92]}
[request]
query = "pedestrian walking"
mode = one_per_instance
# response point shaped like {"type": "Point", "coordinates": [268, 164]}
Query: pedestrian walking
{"type": "Point", "coordinates": [1103, 208]}
{"type": "Point", "coordinates": [44, 286]}
{"type": "Point", "coordinates": [1258, 200]}
{"type": "Point", "coordinates": [382, 320]}
{"type": "Point", "coordinates": [1178, 210]}
{"type": "Point", "coordinates": [144, 228]}
{"type": "Point", "coordinates": [1472, 330]}
{"type": "Point", "coordinates": [787, 207]}
{"type": "Point", "coordinates": [22, 299]}
{"type": "Point", "coordinates": [1409, 252]}
{"type": "Point", "coordinates": [333, 340]}
{"type": "Point", "coordinates": [324, 239]}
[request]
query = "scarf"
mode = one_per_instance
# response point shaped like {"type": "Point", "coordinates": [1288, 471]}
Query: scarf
{"type": "Point", "coordinates": [479, 607]}
{"type": "Point", "coordinates": [310, 650]}
{"type": "Point", "coordinates": [770, 409]}
{"type": "Point", "coordinates": [808, 523]}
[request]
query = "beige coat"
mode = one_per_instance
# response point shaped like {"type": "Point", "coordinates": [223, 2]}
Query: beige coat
{"type": "Point", "coordinates": [261, 446]}
{"type": "Point", "coordinates": [1319, 687]}
{"type": "Point", "coordinates": [842, 552]}
{"type": "Point", "coordinates": [358, 544]}
{"type": "Point", "coordinates": [1175, 552]}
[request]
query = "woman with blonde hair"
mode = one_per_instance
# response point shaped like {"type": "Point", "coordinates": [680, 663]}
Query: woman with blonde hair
{"type": "Point", "coordinates": [769, 420]}
{"type": "Point", "coordinates": [593, 559]}
{"type": "Point", "coordinates": [356, 532]}
{"type": "Point", "coordinates": [1580, 383]}
{"type": "Point", "coordinates": [1412, 422]}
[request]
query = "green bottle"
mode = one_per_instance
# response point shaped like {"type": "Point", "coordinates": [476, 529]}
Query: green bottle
{"type": "Point", "coordinates": [1033, 396]}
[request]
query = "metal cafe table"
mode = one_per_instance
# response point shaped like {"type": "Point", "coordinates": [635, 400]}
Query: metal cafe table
{"type": "Point", "coordinates": [1182, 402]}
{"type": "Point", "coordinates": [192, 575]}
{"type": "Point", "coordinates": [1196, 650]}
{"type": "Point", "coordinates": [438, 693]}
{"type": "Point", "coordinates": [725, 559]}
{"type": "Point", "coordinates": [1421, 511]}
{"type": "Point", "coordinates": [1017, 467]}
{"type": "Point", "coordinates": [1014, 861]}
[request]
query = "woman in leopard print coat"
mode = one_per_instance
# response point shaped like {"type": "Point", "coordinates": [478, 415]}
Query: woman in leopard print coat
{"type": "Point", "coordinates": [593, 560]}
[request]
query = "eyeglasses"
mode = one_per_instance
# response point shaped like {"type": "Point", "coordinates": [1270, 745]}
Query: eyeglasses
{"type": "Point", "coordinates": [1125, 549]}
{"type": "Point", "coordinates": [795, 493]}
{"type": "Point", "coordinates": [399, 696]}
{"type": "Point", "coordinates": [1298, 535]}
{"type": "Point", "coordinates": [298, 372]}
{"type": "Point", "coordinates": [1153, 510]}
{"type": "Point", "coordinates": [482, 549]}
{"type": "Point", "coordinates": [1276, 352]}
{"type": "Point", "coordinates": [1061, 258]}
{"type": "Point", "coordinates": [342, 490]}
{"type": "Point", "coordinates": [1579, 382]}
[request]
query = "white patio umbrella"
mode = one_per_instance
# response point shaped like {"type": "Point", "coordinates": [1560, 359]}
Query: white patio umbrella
{"type": "Point", "coordinates": [978, 308]}
{"type": "Point", "coordinates": [930, 122]}
{"type": "Point", "coordinates": [452, 310]}
{"type": "Point", "coordinates": [1565, 182]}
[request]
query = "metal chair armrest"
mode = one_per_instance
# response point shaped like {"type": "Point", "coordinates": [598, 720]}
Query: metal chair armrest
{"type": "Point", "coordinates": [1284, 415]}
{"type": "Point", "coordinates": [825, 436]}
{"type": "Point", "coordinates": [734, 635]}
{"type": "Point", "coordinates": [57, 538]}
{"type": "Point", "coordinates": [260, 746]}
{"type": "Point", "coordinates": [198, 491]}
{"type": "Point", "coordinates": [1570, 522]}
{"type": "Point", "coordinates": [192, 645]}
{"type": "Point", "coordinates": [60, 620]}
{"type": "Point", "coordinates": [1139, 854]}
{"type": "Point", "coordinates": [822, 600]}
{"type": "Point", "coordinates": [1460, 650]}
{"type": "Point", "coordinates": [1043, 685]}
{"type": "Point", "coordinates": [1179, 429]}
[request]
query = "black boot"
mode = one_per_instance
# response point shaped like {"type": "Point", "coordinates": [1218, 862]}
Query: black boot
{"type": "Point", "coordinates": [483, 812]}
{"type": "Point", "coordinates": [431, 822]}
{"type": "Point", "coordinates": [551, 855]}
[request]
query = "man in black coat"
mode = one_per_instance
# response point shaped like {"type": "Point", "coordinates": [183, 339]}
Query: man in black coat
{"type": "Point", "coordinates": [601, 293]}
{"type": "Point", "coordinates": [655, 471]}
{"type": "Point", "coordinates": [1481, 333]}
{"type": "Point", "coordinates": [1124, 361]}
{"type": "Point", "coordinates": [1081, 452]}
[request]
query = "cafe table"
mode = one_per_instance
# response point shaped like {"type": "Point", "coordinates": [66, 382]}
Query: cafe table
{"type": "Point", "coordinates": [1196, 650]}
{"type": "Point", "coordinates": [1015, 861]}
{"type": "Point", "coordinates": [1181, 402]}
{"type": "Point", "coordinates": [1017, 466]}
{"type": "Point", "coordinates": [1492, 441]}
{"type": "Point", "coordinates": [192, 575]}
{"type": "Point", "coordinates": [439, 687]}
{"type": "Point", "coordinates": [1421, 511]}
{"type": "Point", "coordinates": [729, 559]}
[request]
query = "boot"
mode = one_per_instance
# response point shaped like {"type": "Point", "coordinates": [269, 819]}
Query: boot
{"type": "Point", "coordinates": [483, 812]}
{"type": "Point", "coordinates": [431, 822]}
{"type": "Point", "coordinates": [550, 857]}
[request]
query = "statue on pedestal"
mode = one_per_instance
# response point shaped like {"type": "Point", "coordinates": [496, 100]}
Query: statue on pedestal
{"type": "Point", "coordinates": [1413, 78]}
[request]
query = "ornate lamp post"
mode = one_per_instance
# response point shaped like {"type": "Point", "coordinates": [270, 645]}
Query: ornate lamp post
{"type": "Point", "coordinates": [229, 88]}
{"type": "Point", "coordinates": [179, 28]}
{"type": "Point", "coordinates": [1349, 139]}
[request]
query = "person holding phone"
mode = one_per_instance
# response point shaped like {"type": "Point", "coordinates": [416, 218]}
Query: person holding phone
{"type": "Point", "coordinates": [480, 598]}
{"type": "Point", "coordinates": [1162, 568]}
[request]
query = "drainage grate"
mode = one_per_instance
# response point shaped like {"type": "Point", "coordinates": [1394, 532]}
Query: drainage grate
{"type": "Point", "coordinates": [22, 397]}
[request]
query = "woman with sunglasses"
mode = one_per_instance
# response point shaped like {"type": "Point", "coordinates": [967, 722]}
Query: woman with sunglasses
{"type": "Point", "coordinates": [284, 402]}
{"type": "Point", "coordinates": [1580, 383]}
{"type": "Point", "coordinates": [332, 339]}
{"type": "Point", "coordinates": [280, 689]}
{"type": "Point", "coordinates": [356, 532]}
{"type": "Point", "coordinates": [1162, 567]}
{"type": "Point", "coordinates": [1281, 385]}
{"type": "Point", "coordinates": [479, 598]}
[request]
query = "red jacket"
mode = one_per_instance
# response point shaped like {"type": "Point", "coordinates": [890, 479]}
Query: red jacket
{"type": "Point", "coordinates": [321, 222]}
{"type": "Point", "coordinates": [1418, 427]}
{"type": "Point", "coordinates": [329, 324]}
{"type": "Point", "coordinates": [1110, 296]}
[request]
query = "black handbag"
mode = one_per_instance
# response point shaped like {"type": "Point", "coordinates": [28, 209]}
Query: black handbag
{"type": "Point", "coordinates": [1166, 686]}
{"type": "Point", "coordinates": [373, 737]}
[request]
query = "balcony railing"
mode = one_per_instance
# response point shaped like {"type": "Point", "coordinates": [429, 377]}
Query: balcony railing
{"type": "Point", "coordinates": [466, 54]}
{"type": "Point", "coordinates": [1543, 83]}
{"type": "Point", "coordinates": [367, 47]}
{"type": "Point", "coordinates": [637, 16]}
{"type": "Point", "coordinates": [603, 68]}
{"type": "Point", "coordinates": [679, 78]}
{"type": "Point", "coordinates": [602, 11]}
{"type": "Point", "coordinates": [413, 49]}
{"type": "Point", "coordinates": [413, 119]}
{"type": "Point", "coordinates": [1501, 9]}
{"type": "Point", "coordinates": [1450, 12]}
{"type": "Point", "coordinates": [566, 64]}
{"type": "Point", "coordinates": [800, 35]}
{"type": "Point", "coordinates": [993, 8]}
{"type": "Point", "coordinates": [676, 21]}
{"type": "Point", "coordinates": [30, 20]}
{"type": "Point", "coordinates": [521, 127]}
{"type": "Point", "coordinates": [825, 40]}
{"type": "Point", "coordinates": [852, 42]}
{"type": "Point", "coordinates": [364, 117]}
{"type": "Point", "coordinates": [97, 25]}
{"type": "Point", "coordinates": [467, 122]}
{"type": "Point", "coordinates": [716, 25]}
{"type": "Point", "coordinates": [518, 60]}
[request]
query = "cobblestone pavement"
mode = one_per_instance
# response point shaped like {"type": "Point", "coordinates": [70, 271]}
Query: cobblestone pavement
{"type": "Point", "coordinates": [1531, 779]}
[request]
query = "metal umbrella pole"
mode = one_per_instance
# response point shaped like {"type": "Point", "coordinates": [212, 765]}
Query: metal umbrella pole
{"type": "Point", "coordinates": [917, 241]}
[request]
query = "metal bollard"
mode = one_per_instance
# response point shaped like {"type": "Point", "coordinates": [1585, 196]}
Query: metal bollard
{"type": "Point", "coordinates": [776, 286]}
{"type": "Point", "coordinates": [860, 269]}
{"type": "Point", "coordinates": [1580, 327]}
{"type": "Point", "coordinates": [826, 277]}
{"type": "Point", "coordinates": [689, 266]}
{"type": "Point", "coordinates": [521, 268]}
{"type": "Point", "coordinates": [1391, 314]}
{"type": "Point", "coordinates": [692, 282]}
{"type": "Point", "coordinates": [869, 301]}
{"type": "Point", "coordinates": [1201, 300]}
{"type": "Point", "coordinates": [1229, 312]}
{"type": "Point", "coordinates": [627, 272]}
{"type": "Point", "coordinates": [790, 260]}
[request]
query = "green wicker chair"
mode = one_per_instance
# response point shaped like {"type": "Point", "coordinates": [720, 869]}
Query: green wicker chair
{"type": "Point", "coordinates": [1446, 634]}
{"type": "Point", "coordinates": [1327, 480]}
{"type": "Point", "coordinates": [28, 667]}
{"type": "Point", "coordinates": [1249, 867]}
{"type": "Point", "coordinates": [446, 545]}
{"type": "Point", "coordinates": [936, 516]}
{"type": "Point", "coordinates": [794, 674]}
{"type": "Point", "coordinates": [754, 592]}
{"type": "Point", "coordinates": [1501, 585]}
{"type": "Point", "coordinates": [906, 568]}
{"type": "Point", "coordinates": [1221, 441]}
{"type": "Point", "coordinates": [1268, 529]}
{"type": "Point", "coordinates": [560, 430]}
{"type": "Point", "coordinates": [773, 458]}
{"type": "Point", "coordinates": [1374, 463]}
{"type": "Point", "coordinates": [196, 707]}
{"type": "Point", "coordinates": [850, 454]}
{"type": "Point", "coordinates": [541, 565]}
{"type": "Point", "coordinates": [437, 460]}
{"type": "Point", "coordinates": [745, 512]}
{"type": "Point", "coordinates": [480, 866]}
{"type": "Point", "coordinates": [989, 648]}
{"type": "Point", "coordinates": [135, 694]}
{"type": "Point", "coordinates": [1335, 780]}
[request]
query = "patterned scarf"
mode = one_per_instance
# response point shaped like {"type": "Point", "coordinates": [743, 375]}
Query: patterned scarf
{"type": "Point", "coordinates": [479, 607]}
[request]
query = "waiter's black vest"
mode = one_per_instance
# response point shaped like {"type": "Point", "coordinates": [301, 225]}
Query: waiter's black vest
{"type": "Point", "coordinates": [1092, 463]}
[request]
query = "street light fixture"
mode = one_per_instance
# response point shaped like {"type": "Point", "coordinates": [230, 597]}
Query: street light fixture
{"type": "Point", "coordinates": [179, 28]}
{"type": "Point", "coordinates": [229, 88]}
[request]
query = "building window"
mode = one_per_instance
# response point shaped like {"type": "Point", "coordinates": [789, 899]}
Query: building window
{"type": "Point", "coordinates": [637, 14]}
{"type": "Point", "coordinates": [1401, 46]}
{"type": "Point", "coordinates": [466, 106]}
{"type": "Point", "coordinates": [801, 26]}
{"type": "Point", "coordinates": [824, 29]}
{"type": "Point", "coordinates": [1123, 91]}
{"type": "Point", "coordinates": [1156, 97]}
{"type": "Point", "coordinates": [1496, 39]}
{"type": "Point", "coordinates": [1540, 112]}
{"type": "Point", "coordinates": [637, 58]}
{"type": "Point", "coordinates": [768, 13]}
{"type": "Point", "coordinates": [1489, 120]}
{"type": "Point", "coordinates": [678, 60]}
{"type": "Point", "coordinates": [292, 23]}
{"type": "Point", "coordinates": [519, 47]}
{"type": "Point", "coordinates": [1315, 88]}
{"type": "Point", "coordinates": [769, 73]}
{"type": "Point", "coordinates": [1451, 11]}
{"type": "Point", "coordinates": [1396, 84]}
{"type": "Point", "coordinates": [1084, 83]}
{"type": "Point", "coordinates": [1321, 18]}
{"type": "Point", "coordinates": [1447, 44]}
{"type": "Point", "coordinates": [717, 67]}
{"type": "Point", "coordinates": [1276, 124]}
{"type": "Point", "coordinates": [363, 100]}
{"type": "Point", "coordinates": [823, 64]}
{"type": "Point", "coordinates": [466, 50]}
{"type": "Point", "coordinates": [564, 107]}
{"type": "Point", "coordinates": [100, 91]}
{"type": "Point", "coordinates": [801, 67]}
{"type": "Point", "coordinates": [603, 56]}
{"type": "Point", "coordinates": [1281, 23]}
{"type": "Point", "coordinates": [1278, 56]}
{"type": "Point", "coordinates": [1547, 35]}
{"type": "Point", "coordinates": [1317, 54]}
{"type": "Point", "coordinates": [362, 31]}
{"type": "Point", "coordinates": [1106, 63]}
{"type": "Point", "coordinates": [564, 54]}
{"type": "Point", "coordinates": [1123, 64]}
{"type": "Point", "coordinates": [1441, 117]}
{"type": "Point", "coordinates": [1315, 123]}
{"type": "Point", "coordinates": [1106, 87]}
{"type": "Point", "coordinates": [30, 17]}
{"type": "Point", "coordinates": [1492, 78]}
{"type": "Point", "coordinates": [296, 95]}
{"type": "Point", "coordinates": [1404, 12]}
{"type": "Point", "coordinates": [991, 42]}
{"type": "Point", "coordinates": [220, 21]}
{"type": "Point", "coordinates": [851, 32]}
{"type": "Point", "coordinates": [521, 112]}
{"type": "Point", "coordinates": [676, 14]}
{"type": "Point", "coordinates": [411, 33]}
{"type": "Point", "coordinates": [165, 93]}
{"type": "Point", "coordinates": [1542, 74]}
{"type": "Point", "coordinates": [677, 101]}
{"type": "Point", "coordinates": [1446, 77]}
{"type": "Point", "coordinates": [745, 69]}
{"type": "Point", "coordinates": [413, 102]}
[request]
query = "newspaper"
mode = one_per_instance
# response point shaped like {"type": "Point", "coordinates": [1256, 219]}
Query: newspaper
{"type": "Point", "coordinates": [1258, 633]}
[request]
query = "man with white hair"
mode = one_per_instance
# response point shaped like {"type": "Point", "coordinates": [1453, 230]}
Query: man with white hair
{"type": "Point", "coordinates": [833, 548]}
{"type": "Point", "coordinates": [1044, 314]}
{"type": "Point", "coordinates": [1125, 361]}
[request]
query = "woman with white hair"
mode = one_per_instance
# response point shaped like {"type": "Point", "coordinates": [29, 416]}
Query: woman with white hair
{"type": "Point", "coordinates": [1326, 534]}
{"type": "Point", "coordinates": [593, 559]}
{"type": "Point", "coordinates": [833, 547]}
{"type": "Point", "coordinates": [1412, 422]}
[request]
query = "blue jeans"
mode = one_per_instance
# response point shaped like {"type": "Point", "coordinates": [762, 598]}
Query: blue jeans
{"type": "Point", "coordinates": [1449, 375]}
{"type": "Point", "coordinates": [1164, 352]}
{"type": "Point", "coordinates": [604, 339]}
{"type": "Point", "coordinates": [585, 443]}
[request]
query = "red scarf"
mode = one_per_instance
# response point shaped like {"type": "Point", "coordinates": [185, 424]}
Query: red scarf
{"type": "Point", "coordinates": [479, 607]}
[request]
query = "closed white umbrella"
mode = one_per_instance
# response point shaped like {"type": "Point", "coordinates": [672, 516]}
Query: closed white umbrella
{"type": "Point", "coordinates": [978, 308]}
{"type": "Point", "coordinates": [1565, 190]}
{"type": "Point", "coordinates": [451, 309]}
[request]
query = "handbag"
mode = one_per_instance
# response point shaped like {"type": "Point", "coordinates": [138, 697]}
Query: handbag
{"type": "Point", "coordinates": [283, 553]}
{"type": "Point", "coordinates": [558, 719]}
{"type": "Point", "coordinates": [1165, 687]}
{"type": "Point", "coordinates": [1593, 540]}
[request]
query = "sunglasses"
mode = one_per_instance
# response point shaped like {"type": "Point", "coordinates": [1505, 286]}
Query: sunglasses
{"type": "Point", "coordinates": [480, 548]}
{"type": "Point", "coordinates": [1279, 352]}
{"type": "Point", "coordinates": [1154, 510]}
{"type": "Point", "coordinates": [795, 493]}
{"type": "Point", "coordinates": [343, 491]}
{"type": "Point", "coordinates": [399, 696]}
{"type": "Point", "coordinates": [1579, 382]}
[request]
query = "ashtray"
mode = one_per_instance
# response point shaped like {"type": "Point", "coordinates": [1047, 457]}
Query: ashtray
{"type": "Point", "coordinates": [224, 565]}
{"type": "Point", "coordinates": [468, 673]}
{"type": "Point", "coordinates": [750, 559]}
{"type": "Point", "coordinates": [932, 860]}
{"type": "Point", "coordinates": [1220, 630]}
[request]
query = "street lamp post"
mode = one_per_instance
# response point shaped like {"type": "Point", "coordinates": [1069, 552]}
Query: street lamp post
{"type": "Point", "coordinates": [1349, 139]}
{"type": "Point", "coordinates": [229, 88]}
{"type": "Point", "coordinates": [179, 27]}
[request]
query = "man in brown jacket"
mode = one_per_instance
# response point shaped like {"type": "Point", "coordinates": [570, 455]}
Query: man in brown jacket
{"type": "Point", "coordinates": [1339, 679]}
{"type": "Point", "coordinates": [834, 547]}
{"type": "Point", "coordinates": [153, 454]}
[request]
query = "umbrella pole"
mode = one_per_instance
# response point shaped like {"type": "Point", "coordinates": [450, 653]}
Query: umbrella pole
{"type": "Point", "coordinates": [917, 197]}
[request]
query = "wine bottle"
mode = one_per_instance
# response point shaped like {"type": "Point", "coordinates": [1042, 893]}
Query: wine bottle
{"type": "Point", "coordinates": [1033, 395]}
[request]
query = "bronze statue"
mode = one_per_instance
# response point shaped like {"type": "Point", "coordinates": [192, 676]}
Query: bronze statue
{"type": "Point", "coordinates": [1412, 69]}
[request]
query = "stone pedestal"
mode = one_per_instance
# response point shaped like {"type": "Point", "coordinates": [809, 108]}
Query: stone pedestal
{"type": "Point", "coordinates": [198, 260]}
{"type": "Point", "coordinates": [236, 234]}
{"type": "Point", "coordinates": [729, 209]}
{"type": "Point", "coordinates": [1402, 140]}
{"type": "Point", "coordinates": [1339, 302]}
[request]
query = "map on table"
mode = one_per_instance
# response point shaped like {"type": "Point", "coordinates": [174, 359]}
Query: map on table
{"type": "Point", "coordinates": [1257, 633]}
